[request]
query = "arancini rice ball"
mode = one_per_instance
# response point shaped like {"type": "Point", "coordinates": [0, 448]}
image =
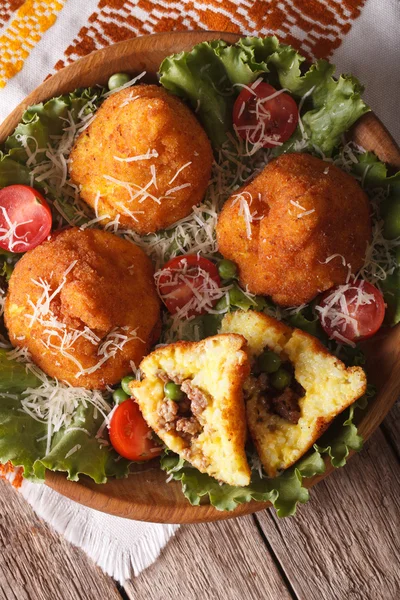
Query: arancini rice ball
{"type": "Point", "coordinates": [207, 426]}
{"type": "Point", "coordinates": [84, 304]}
{"type": "Point", "coordinates": [285, 423]}
{"type": "Point", "coordinates": [145, 157]}
{"type": "Point", "coordinates": [297, 229]}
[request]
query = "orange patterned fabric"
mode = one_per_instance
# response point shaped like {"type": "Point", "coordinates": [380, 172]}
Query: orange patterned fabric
{"type": "Point", "coordinates": [14, 476]}
{"type": "Point", "coordinates": [25, 23]}
{"type": "Point", "coordinates": [315, 27]}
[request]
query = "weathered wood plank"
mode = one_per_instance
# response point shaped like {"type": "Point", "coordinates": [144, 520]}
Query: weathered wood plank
{"type": "Point", "coordinates": [391, 428]}
{"type": "Point", "coordinates": [226, 559]}
{"type": "Point", "coordinates": [345, 543]}
{"type": "Point", "coordinates": [38, 564]}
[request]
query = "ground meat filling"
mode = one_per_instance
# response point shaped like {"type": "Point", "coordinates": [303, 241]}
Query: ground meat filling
{"type": "Point", "coordinates": [284, 403]}
{"type": "Point", "coordinates": [183, 417]}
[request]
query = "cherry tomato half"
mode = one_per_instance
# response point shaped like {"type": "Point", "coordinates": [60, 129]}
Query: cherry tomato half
{"type": "Point", "coordinates": [189, 285]}
{"type": "Point", "coordinates": [130, 435]}
{"type": "Point", "coordinates": [262, 118]}
{"type": "Point", "coordinates": [354, 311]}
{"type": "Point", "coordinates": [25, 218]}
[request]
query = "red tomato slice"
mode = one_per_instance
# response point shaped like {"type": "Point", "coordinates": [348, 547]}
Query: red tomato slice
{"type": "Point", "coordinates": [261, 117]}
{"type": "Point", "coordinates": [189, 285]}
{"type": "Point", "coordinates": [130, 435]}
{"type": "Point", "coordinates": [25, 218]}
{"type": "Point", "coordinates": [351, 312]}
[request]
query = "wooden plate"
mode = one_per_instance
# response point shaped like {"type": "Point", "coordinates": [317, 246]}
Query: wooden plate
{"type": "Point", "coordinates": [145, 495]}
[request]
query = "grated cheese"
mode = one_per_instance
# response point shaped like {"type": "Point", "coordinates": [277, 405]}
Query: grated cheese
{"type": "Point", "coordinates": [244, 209]}
{"type": "Point", "coordinates": [304, 214]}
{"type": "Point", "coordinates": [73, 451]}
{"type": "Point", "coordinates": [303, 99]}
{"type": "Point", "coordinates": [179, 171]}
{"type": "Point", "coordinates": [149, 154]}
{"type": "Point", "coordinates": [128, 100]}
{"type": "Point", "coordinates": [128, 84]}
{"type": "Point", "coordinates": [10, 232]}
{"type": "Point", "coordinates": [205, 291]}
{"type": "Point", "coordinates": [177, 188]}
{"type": "Point", "coordinates": [237, 161]}
{"type": "Point", "coordinates": [56, 403]}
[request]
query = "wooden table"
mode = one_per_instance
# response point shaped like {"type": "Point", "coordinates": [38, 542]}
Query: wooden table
{"type": "Point", "coordinates": [343, 545]}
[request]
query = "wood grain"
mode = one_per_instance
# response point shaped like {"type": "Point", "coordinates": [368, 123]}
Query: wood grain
{"type": "Point", "coordinates": [344, 544]}
{"type": "Point", "coordinates": [214, 561]}
{"type": "Point", "coordinates": [146, 496]}
{"type": "Point", "coordinates": [368, 133]}
{"type": "Point", "coordinates": [391, 429]}
{"type": "Point", "coordinates": [38, 564]}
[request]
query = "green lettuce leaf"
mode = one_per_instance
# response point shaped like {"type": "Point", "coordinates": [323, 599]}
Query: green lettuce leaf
{"type": "Point", "coordinates": [38, 125]}
{"type": "Point", "coordinates": [19, 433]}
{"type": "Point", "coordinates": [199, 76]}
{"type": "Point", "coordinates": [23, 438]}
{"type": "Point", "coordinates": [41, 121]}
{"type": "Point", "coordinates": [14, 376]}
{"type": "Point", "coordinates": [375, 174]}
{"type": "Point", "coordinates": [391, 292]}
{"type": "Point", "coordinates": [308, 323]}
{"type": "Point", "coordinates": [88, 457]}
{"type": "Point", "coordinates": [337, 106]}
{"type": "Point", "coordinates": [23, 442]}
{"type": "Point", "coordinates": [210, 76]}
{"type": "Point", "coordinates": [11, 171]}
{"type": "Point", "coordinates": [285, 491]}
{"type": "Point", "coordinates": [341, 438]}
{"type": "Point", "coordinates": [8, 261]}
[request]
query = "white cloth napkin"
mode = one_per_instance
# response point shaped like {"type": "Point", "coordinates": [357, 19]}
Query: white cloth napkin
{"type": "Point", "coordinates": [371, 52]}
{"type": "Point", "coordinates": [122, 548]}
{"type": "Point", "coordinates": [60, 31]}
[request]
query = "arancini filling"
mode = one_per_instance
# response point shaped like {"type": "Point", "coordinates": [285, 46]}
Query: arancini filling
{"type": "Point", "coordinates": [282, 402]}
{"type": "Point", "coordinates": [183, 416]}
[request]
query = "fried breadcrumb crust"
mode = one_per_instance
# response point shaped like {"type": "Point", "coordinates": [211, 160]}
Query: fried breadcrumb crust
{"type": "Point", "coordinates": [330, 388]}
{"type": "Point", "coordinates": [218, 366]}
{"type": "Point", "coordinates": [134, 122]}
{"type": "Point", "coordinates": [305, 211]}
{"type": "Point", "coordinates": [109, 288]}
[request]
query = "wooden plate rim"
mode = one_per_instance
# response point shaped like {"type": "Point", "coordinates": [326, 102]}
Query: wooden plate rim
{"type": "Point", "coordinates": [98, 496]}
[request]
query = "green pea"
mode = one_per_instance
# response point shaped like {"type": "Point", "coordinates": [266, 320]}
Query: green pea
{"type": "Point", "coordinates": [173, 391]}
{"type": "Point", "coordinates": [117, 80]}
{"type": "Point", "coordinates": [268, 362]}
{"type": "Point", "coordinates": [391, 227]}
{"type": "Point", "coordinates": [281, 379]}
{"type": "Point", "coordinates": [227, 269]}
{"type": "Point", "coordinates": [125, 384]}
{"type": "Point", "coordinates": [120, 396]}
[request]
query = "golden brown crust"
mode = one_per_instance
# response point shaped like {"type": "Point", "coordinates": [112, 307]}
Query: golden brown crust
{"type": "Point", "coordinates": [329, 387]}
{"type": "Point", "coordinates": [285, 257]}
{"type": "Point", "coordinates": [153, 121]}
{"type": "Point", "coordinates": [218, 367]}
{"type": "Point", "coordinates": [109, 288]}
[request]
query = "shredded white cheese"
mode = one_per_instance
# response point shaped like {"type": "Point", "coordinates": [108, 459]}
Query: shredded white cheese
{"type": "Point", "coordinates": [149, 154]}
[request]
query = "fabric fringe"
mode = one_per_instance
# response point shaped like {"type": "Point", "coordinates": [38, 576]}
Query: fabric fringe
{"type": "Point", "coordinates": [122, 548]}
